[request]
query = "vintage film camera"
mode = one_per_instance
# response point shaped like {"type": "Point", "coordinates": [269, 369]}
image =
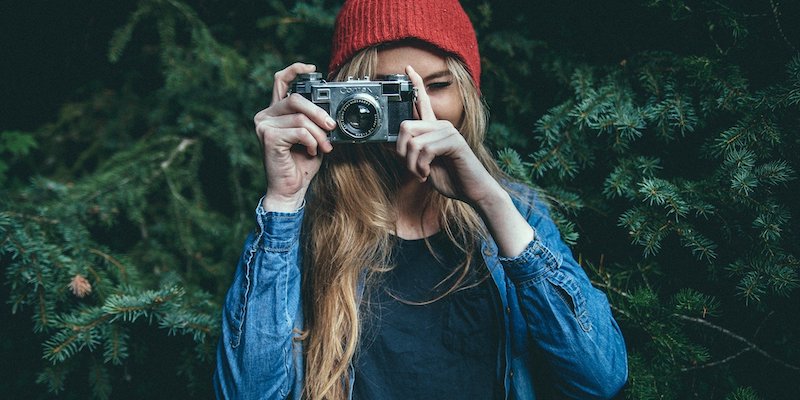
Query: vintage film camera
{"type": "Point", "coordinates": [365, 111]}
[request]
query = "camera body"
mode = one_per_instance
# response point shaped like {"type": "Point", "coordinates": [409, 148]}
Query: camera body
{"type": "Point", "coordinates": [365, 111]}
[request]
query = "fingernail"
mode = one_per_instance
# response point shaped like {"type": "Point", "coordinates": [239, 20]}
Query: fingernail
{"type": "Point", "coordinates": [330, 122]}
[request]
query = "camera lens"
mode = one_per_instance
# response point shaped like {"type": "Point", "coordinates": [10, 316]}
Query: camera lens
{"type": "Point", "coordinates": [358, 117]}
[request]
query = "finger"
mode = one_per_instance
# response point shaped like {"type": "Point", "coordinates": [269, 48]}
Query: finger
{"type": "Point", "coordinates": [296, 103]}
{"type": "Point", "coordinates": [422, 102]}
{"type": "Point", "coordinates": [305, 138]}
{"type": "Point", "coordinates": [412, 154]}
{"type": "Point", "coordinates": [285, 76]}
{"type": "Point", "coordinates": [426, 156]}
{"type": "Point", "coordinates": [403, 136]}
{"type": "Point", "coordinates": [291, 137]}
{"type": "Point", "coordinates": [424, 149]}
{"type": "Point", "coordinates": [410, 129]}
{"type": "Point", "coordinates": [298, 121]}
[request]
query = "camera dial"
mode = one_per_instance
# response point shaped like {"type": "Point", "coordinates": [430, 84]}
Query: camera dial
{"type": "Point", "coordinates": [396, 78]}
{"type": "Point", "coordinates": [306, 77]}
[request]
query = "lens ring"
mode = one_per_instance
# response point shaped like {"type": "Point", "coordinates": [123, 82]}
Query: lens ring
{"type": "Point", "coordinates": [359, 116]}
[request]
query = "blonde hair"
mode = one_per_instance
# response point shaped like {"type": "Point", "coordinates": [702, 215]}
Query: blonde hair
{"type": "Point", "coordinates": [349, 225]}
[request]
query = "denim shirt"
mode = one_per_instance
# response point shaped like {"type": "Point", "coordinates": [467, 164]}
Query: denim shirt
{"type": "Point", "coordinates": [552, 317]}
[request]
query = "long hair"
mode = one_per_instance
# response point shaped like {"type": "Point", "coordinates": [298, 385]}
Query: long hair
{"type": "Point", "coordinates": [349, 225]}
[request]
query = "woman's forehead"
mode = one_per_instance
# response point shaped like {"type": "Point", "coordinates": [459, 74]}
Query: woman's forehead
{"type": "Point", "coordinates": [426, 61]}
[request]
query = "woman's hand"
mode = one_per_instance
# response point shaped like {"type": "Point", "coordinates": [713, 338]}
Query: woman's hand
{"type": "Point", "coordinates": [435, 151]}
{"type": "Point", "coordinates": [292, 132]}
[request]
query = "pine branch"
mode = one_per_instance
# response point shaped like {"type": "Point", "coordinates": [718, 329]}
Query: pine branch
{"type": "Point", "coordinates": [612, 288]}
{"type": "Point", "coordinates": [180, 148]}
{"type": "Point", "coordinates": [112, 260]}
{"type": "Point", "coordinates": [718, 362]}
{"type": "Point", "coordinates": [776, 15]}
{"type": "Point", "coordinates": [726, 332]}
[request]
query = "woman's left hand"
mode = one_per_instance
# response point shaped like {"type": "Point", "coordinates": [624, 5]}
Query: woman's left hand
{"type": "Point", "coordinates": [435, 151]}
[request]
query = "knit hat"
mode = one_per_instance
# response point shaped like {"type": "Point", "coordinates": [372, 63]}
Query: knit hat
{"type": "Point", "coordinates": [442, 23]}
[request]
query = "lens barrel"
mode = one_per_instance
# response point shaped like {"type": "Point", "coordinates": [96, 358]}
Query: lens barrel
{"type": "Point", "coordinates": [359, 116]}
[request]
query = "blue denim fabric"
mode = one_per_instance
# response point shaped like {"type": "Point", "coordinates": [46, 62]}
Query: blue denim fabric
{"type": "Point", "coordinates": [549, 307]}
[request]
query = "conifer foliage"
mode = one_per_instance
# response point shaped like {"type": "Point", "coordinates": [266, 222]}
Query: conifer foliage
{"type": "Point", "coordinates": [663, 132]}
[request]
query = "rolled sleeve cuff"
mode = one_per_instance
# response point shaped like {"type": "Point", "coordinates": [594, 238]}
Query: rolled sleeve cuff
{"type": "Point", "coordinates": [531, 264]}
{"type": "Point", "coordinates": [279, 230]}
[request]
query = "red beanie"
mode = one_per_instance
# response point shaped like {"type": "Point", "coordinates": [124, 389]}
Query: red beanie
{"type": "Point", "coordinates": [442, 23]}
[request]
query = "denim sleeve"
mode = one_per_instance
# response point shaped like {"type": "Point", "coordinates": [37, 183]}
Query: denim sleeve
{"type": "Point", "coordinates": [566, 317]}
{"type": "Point", "coordinates": [257, 355]}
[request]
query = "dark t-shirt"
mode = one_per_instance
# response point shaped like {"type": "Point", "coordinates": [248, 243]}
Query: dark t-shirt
{"type": "Point", "coordinates": [445, 349]}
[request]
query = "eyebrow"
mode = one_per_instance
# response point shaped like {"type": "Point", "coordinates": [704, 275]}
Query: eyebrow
{"type": "Point", "coordinates": [436, 75]}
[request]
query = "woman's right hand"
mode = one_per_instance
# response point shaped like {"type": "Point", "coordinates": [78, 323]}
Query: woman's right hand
{"type": "Point", "coordinates": [292, 132]}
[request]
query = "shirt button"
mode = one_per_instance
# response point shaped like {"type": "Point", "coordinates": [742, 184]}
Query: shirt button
{"type": "Point", "coordinates": [511, 374]}
{"type": "Point", "coordinates": [508, 310]}
{"type": "Point", "coordinates": [487, 251]}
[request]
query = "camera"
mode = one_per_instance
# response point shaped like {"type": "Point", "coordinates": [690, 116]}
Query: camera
{"type": "Point", "coordinates": [365, 111]}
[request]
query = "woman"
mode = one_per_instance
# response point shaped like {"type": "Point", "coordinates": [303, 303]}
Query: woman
{"type": "Point", "coordinates": [412, 269]}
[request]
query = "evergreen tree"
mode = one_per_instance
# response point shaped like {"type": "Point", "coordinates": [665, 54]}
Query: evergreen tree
{"type": "Point", "coordinates": [663, 132]}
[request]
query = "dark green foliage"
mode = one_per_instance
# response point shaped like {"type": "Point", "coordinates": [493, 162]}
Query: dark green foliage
{"type": "Point", "coordinates": [664, 133]}
{"type": "Point", "coordinates": [13, 146]}
{"type": "Point", "coordinates": [745, 393]}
